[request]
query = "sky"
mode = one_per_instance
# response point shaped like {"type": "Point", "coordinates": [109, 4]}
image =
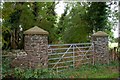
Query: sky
{"type": "Point", "coordinates": [60, 9]}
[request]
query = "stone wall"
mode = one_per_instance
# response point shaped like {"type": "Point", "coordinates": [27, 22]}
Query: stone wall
{"type": "Point", "coordinates": [36, 45]}
{"type": "Point", "coordinates": [101, 54]}
{"type": "Point", "coordinates": [35, 54]}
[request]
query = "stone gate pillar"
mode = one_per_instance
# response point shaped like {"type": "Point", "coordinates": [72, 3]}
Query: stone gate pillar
{"type": "Point", "coordinates": [35, 44]}
{"type": "Point", "coordinates": [101, 53]}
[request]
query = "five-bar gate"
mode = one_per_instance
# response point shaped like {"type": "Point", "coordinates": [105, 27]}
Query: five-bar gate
{"type": "Point", "coordinates": [62, 56]}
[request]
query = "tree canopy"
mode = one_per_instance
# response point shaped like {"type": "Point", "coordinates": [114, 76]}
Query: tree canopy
{"type": "Point", "coordinates": [22, 15]}
{"type": "Point", "coordinates": [78, 22]}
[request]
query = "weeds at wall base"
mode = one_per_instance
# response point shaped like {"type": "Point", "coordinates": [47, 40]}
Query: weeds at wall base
{"type": "Point", "coordinates": [85, 71]}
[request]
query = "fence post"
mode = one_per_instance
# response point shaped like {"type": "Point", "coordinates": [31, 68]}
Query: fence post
{"type": "Point", "coordinates": [73, 57]}
{"type": "Point", "coordinates": [57, 70]}
{"type": "Point", "coordinates": [93, 54]}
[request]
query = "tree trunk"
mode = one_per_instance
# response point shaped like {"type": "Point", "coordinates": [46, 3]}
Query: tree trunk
{"type": "Point", "coordinates": [13, 45]}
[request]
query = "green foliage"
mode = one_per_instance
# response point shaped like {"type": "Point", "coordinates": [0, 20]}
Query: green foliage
{"type": "Point", "coordinates": [26, 17]}
{"type": "Point", "coordinates": [72, 25]}
{"type": "Point", "coordinates": [6, 70]}
{"type": "Point", "coordinates": [98, 16]}
{"type": "Point", "coordinates": [85, 71]}
{"type": "Point", "coordinates": [29, 73]}
{"type": "Point", "coordinates": [80, 20]}
{"type": "Point", "coordinates": [76, 24]}
{"type": "Point", "coordinates": [17, 15]}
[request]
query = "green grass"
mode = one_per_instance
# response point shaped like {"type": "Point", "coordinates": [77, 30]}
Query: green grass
{"type": "Point", "coordinates": [85, 71]}
{"type": "Point", "coordinates": [97, 71]}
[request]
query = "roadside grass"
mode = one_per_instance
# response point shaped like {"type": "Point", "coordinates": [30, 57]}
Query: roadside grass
{"type": "Point", "coordinates": [94, 71]}
{"type": "Point", "coordinates": [85, 71]}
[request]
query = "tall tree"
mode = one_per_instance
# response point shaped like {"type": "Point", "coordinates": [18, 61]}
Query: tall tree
{"type": "Point", "coordinates": [22, 16]}
{"type": "Point", "coordinates": [62, 24]}
{"type": "Point", "coordinates": [12, 21]}
{"type": "Point", "coordinates": [83, 19]}
{"type": "Point", "coordinates": [73, 25]}
{"type": "Point", "coordinates": [98, 16]}
{"type": "Point", "coordinates": [47, 19]}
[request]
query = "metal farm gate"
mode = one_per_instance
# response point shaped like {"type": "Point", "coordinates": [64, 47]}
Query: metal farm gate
{"type": "Point", "coordinates": [62, 56]}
